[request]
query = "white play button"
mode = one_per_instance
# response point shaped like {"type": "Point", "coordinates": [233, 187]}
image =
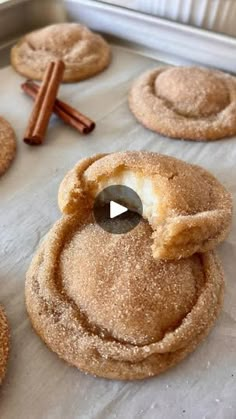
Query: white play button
{"type": "Point", "coordinates": [116, 209]}
{"type": "Point", "coordinates": [111, 215]}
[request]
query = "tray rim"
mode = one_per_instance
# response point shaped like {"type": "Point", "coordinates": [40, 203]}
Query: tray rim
{"type": "Point", "coordinates": [11, 3]}
{"type": "Point", "coordinates": [177, 39]}
{"type": "Point", "coordinates": [174, 41]}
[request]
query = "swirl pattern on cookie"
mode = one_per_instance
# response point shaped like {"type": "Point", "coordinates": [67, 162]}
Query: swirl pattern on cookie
{"type": "Point", "coordinates": [84, 53]}
{"type": "Point", "coordinates": [188, 209]}
{"type": "Point", "coordinates": [191, 103]}
{"type": "Point", "coordinates": [105, 305]}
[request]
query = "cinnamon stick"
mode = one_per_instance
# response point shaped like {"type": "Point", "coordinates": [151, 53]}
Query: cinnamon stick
{"type": "Point", "coordinates": [68, 114]}
{"type": "Point", "coordinates": [44, 103]}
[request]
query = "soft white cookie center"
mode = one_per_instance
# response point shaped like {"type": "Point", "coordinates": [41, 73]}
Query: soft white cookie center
{"type": "Point", "coordinates": [144, 188]}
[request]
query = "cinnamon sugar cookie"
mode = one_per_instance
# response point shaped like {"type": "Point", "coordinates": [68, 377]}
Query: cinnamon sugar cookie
{"type": "Point", "coordinates": [187, 208]}
{"type": "Point", "coordinates": [191, 103]}
{"type": "Point", "coordinates": [105, 305]}
{"type": "Point", "coordinates": [83, 52]}
{"type": "Point", "coordinates": [4, 344]}
{"type": "Point", "coordinates": [7, 145]}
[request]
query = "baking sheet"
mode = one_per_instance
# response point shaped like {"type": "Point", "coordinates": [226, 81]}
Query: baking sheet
{"type": "Point", "coordinates": [38, 383]}
{"type": "Point", "coordinates": [216, 15]}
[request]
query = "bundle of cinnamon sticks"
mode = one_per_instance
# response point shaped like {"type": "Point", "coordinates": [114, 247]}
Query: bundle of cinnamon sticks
{"type": "Point", "coordinates": [46, 103]}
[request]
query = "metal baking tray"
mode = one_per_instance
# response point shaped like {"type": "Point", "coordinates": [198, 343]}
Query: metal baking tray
{"type": "Point", "coordinates": [173, 42]}
{"type": "Point", "coordinates": [38, 384]}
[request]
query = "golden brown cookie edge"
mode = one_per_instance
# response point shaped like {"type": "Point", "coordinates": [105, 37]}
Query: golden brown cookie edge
{"type": "Point", "coordinates": [4, 342]}
{"type": "Point", "coordinates": [112, 368]}
{"type": "Point", "coordinates": [165, 129]}
{"type": "Point", "coordinates": [12, 147]}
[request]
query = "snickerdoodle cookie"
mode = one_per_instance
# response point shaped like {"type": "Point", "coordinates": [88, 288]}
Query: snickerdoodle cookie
{"type": "Point", "coordinates": [191, 103]}
{"type": "Point", "coordinates": [7, 145]}
{"type": "Point", "coordinates": [83, 52]}
{"type": "Point", "coordinates": [188, 208]}
{"type": "Point", "coordinates": [105, 305]}
{"type": "Point", "coordinates": [4, 344]}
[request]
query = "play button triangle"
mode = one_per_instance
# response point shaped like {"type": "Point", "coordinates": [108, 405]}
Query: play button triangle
{"type": "Point", "coordinates": [116, 209]}
{"type": "Point", "coordinates": [111, 215]}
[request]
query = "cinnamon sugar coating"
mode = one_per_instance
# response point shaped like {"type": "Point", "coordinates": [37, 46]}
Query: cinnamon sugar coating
{"type": "Point", "coordinates": [84, 53]}
{"type": "Point", "coordinates": [7, 145]}
{"type": "Point", "coordinates": [104, 304]}
{"type": "Point", "coordinates": [187, 208]}
{"type": "Point", "coordinates": [4, 344]}
{"type": "Point", "coordinates": [191, 103]}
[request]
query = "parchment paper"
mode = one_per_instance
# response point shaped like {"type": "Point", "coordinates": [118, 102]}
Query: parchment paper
{"type": "Point", "coordinates": [38, 383]}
